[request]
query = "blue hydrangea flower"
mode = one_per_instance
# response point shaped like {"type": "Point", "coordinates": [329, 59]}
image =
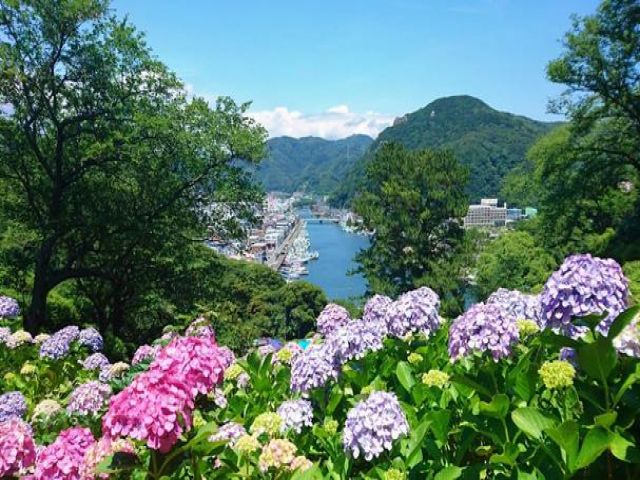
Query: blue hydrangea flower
{"type": "Point", "coordinates": [9, 307]}
{"type": "Point", "coordinates": [95, 361]}
{"type": "Point", "coordinates": [414, 311]}
{"type": "Point", "coordinates": [356, 339]}
{"type": "Point", "coordinates": [91, 338]}
{"type": "Point", "coordinates": [521, 306]}
{"type": "Point", "coordinates": [89, 398]}
{"type": "Point", "coordinates": [295, 414]}
{"type": "Point", "coordinates": [12, 404]}
{"type": "Point", "coordinates": [313, 368]}
{"type": "Point", "coordinates": [58, 344]}
{"type": "Point", "coordinates": [483, 328]}
{"type": "Point", "coordinates": [331, 318]}
{"type": "Point", "coordinates": [582, 286]}
{"type": "Point", "coordinates": [373, 424]}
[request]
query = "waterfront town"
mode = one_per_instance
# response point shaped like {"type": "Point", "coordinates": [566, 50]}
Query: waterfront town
{"type": "Point", "coordinates": [279, 237]}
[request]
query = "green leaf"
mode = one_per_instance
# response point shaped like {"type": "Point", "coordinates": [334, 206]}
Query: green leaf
{"type": "Point", "coordinates": [405, 377]}
{"type": "Point", "coordinates": [606, 419]}
{"type": "Point", "coordinates": [598, 358]}
{"type": "Point", "coordinates": [509, 455]}
{"type": "Point", "coordinates": [440, 424]}
{"type": "Point", "coordinates": [467, 382]}
{"type": "Point", "coordinates": [413, 448]}
{"type": "Point", "coordinates": [624, 449]}
{"type": "Point", "coordinates": [567, 437]}
{"type": "Point", "coordinates": [531, 421]}
{"type": "Point", "coordinates": [451, 472]}
{"type": "Point", "coordinates": [497, 408]}
{"type": "Point", "coordinates": [595, 443]}
{"type": "Point", "coordinates": [622, 320]}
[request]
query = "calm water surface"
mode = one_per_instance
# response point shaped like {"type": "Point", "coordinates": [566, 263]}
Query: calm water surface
{"type": "Point", "coordinates": [337, 249]}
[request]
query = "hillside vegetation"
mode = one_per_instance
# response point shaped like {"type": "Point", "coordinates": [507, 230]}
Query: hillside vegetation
{"type": "Point", "coordinates": [310, 163]}
{"type": "Point", "coordinates": [489, 142]}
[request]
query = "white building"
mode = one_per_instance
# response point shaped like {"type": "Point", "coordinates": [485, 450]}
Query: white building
{"type": "Point", "coordinates": [487, 214]}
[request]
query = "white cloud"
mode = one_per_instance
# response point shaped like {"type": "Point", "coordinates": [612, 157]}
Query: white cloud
{"type": "Point", "coordinates": [336, 122]}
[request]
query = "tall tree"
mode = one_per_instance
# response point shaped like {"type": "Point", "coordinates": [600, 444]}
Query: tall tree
{"type": "Point", "coordinates": [105, 160]}
{"type": "Point", "coordinates": [414, 203]}
{"type": "Point", "coordinates": [601, 148]}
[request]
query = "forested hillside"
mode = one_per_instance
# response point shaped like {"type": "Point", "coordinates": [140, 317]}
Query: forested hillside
{"type": "Point", "coordinates": [310, 163]}
{"type": "Point", "coordinates": [489, 142]}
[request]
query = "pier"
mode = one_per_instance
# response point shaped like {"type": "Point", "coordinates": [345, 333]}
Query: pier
{"type": "Point", "coordinates": [280, 254]}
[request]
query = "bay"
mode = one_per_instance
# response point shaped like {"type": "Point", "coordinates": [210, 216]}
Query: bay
{"type": "Point", "coordinates": [337, 250]}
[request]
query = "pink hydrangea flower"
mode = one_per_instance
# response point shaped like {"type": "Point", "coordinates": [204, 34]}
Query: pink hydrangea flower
{"type": "Point", "coordinates": [63, 458]}
{"type": "Point", "coordinates": [17, 450]}
{"type": "Point", "coordinates": [158, 404]}
{"type": "Point", "coordinates": [198, 360]}
{"type": "Point", "coordinates": [155, 407]}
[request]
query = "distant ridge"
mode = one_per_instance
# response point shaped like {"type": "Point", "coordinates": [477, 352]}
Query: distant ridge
{"type": "Point", "coordinates": [313, 164]}
{"type": "Point", "coordinates": [488, 141]}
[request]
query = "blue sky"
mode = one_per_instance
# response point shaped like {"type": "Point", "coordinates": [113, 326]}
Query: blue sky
{"type": "Point", "coordinates": [336, 67]}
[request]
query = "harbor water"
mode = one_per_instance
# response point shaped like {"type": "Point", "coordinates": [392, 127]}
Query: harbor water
{"type": "Point", "coordinates": [337, 249]}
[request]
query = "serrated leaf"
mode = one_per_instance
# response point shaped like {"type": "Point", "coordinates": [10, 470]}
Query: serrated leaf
{"type": "Point", "coordinates": [532, 421]}
{"type": "Point", "coordinates": [595, 443]}
{"type": "Point", "coordinates": [598, 358]}
{"type": "Point", "coordinates": [451, 472]}
{"type": "Point", "coordinates": [622, 320]}
{"type": "Point", "coordinates": [498, 407]}
{"type": "Point", "coordinates": [405, 376]}
{"type": "Point", "coordinates": [567, 437]}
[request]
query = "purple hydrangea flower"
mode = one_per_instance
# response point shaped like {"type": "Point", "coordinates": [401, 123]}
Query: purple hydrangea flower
{"type": "Point", "coordinates": [355, 339]}
{"type": "Point", "coordinates": [227, 355]}
{"type": "Point", "coordinates": [375, 310]}
{"type": "Point", "coordinates": [58, 344]}
{"type": "Point", "coordinates": [144, 353]}
{"type": "Point", "coordinates": [295, 415]}
{"type": "Point", "coordinates": [229, 432]}
{"type": "Point", "coordinates": [331, 318]}
{"type": "Point", "coordinates": [568, 354]}
{"type": "Point", "coordinates": [313, 368]}
{"type": "Point", "coordinates": [9, 307]}
{"type": "Point", "coordinates": [414, 311]}
{"type": "Point", "coordinates": [518, 305]}
{"type": "Point", "coordinates": [89, 398]}
{"type": "Point", "coordinates": [91, 338]}
{"type": "Point", "coordinates": [483, 328]}
{"type": "Point", "coordinates": [200, 327]}
{"type": "Point", "coordinates": [5, 333]}
{"type": "Point", "coordinates": [628, 341]}
{"type": "Point", "coordinates": [12, 405]}
{"type": "Point", "coordinates": [243, 380]}
{"type": "Point", "coordinates": [373, 424]}
{"type": "Point", "coordinates": [582, 286]}
{"type": "Point", "coordinates": [95, 361]}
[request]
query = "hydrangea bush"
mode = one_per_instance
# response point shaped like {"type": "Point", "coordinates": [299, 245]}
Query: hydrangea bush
{"type": "Point", "coordinates": [506, 390]}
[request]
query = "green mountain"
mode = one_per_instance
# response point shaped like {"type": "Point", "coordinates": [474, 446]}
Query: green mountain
{"type": "Point", "coordinates": [312, 164]}
{"type": "Point", "coordinates": [489, 142]}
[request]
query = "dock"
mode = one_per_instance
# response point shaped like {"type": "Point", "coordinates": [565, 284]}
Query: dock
{"type": "Point", "coordinates": [280, 254]}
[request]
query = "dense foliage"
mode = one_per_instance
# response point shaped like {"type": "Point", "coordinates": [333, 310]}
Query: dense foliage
{"type": "Point", "coordinates": [535, 387]}
{"type": "Point", "coordinates": [108, 169]}
{"type": "Point", "coordinates": [311, 164]}
{"type": "Point", "coordinates": [490, 143]}
{"type": "Point", "coordinates": [414, 204]}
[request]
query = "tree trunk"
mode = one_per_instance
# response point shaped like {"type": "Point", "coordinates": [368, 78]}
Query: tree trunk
{"type": "Point", "coordinates": [36, 314]}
